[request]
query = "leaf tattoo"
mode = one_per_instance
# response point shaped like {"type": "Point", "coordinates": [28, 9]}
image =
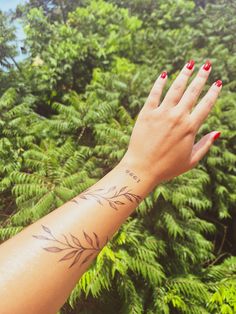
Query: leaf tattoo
{"type": "Point", "coordinates": [113, 199]}
{"type": "Point", "coordinates": [73, 245]}
{"type": "Point", "coordinates": [87, 237]}
{"type": "Point", "coordinates": [53, 249]}
{"type": "Point", "coordinates": [87, 258]}
{"type": "Point", "coordinates": [46, 229]}
{"type": "Point", "coordinates": [76, 258]}
{"type": "Point", "coordinates": [69, 255]}
{"type": "Point", "coordinates": [75, 240]}
{"type": "Point", "coordinates": [96, 239]}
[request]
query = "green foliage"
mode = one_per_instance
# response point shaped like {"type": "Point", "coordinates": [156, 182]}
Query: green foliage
{"type": "Point", "coordinates": [66, 115]}
{"type": "Point", "coordinates": [7, 35]}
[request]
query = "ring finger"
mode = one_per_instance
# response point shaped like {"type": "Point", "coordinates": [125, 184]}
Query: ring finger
{"type": "Point", "coordinates": [202, 110]}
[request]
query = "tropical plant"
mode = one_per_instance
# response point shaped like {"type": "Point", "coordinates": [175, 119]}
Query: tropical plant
{"type": "Point", "coordinates": [66, 120]}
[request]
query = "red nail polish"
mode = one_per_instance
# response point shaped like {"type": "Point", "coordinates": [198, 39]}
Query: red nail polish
{"type": "Point", "coordinates": [190, 64]}
{"type": "Point", "coordinates": [218, 83]}
{"type": "Point", "coordinates": [216, 135]}
{"type": "Point", "coordinates": [163, 74]}
{"type": "Point", "coordinates": [207, 65]}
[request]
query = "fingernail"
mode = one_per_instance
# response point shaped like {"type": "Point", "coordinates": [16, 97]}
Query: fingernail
{"type": "Point", "coordinates": [163, 74]}
{"type": "Point", "coordinates": [190, 64]}
{"type": "Point", "coordinates": [218, 83]}
{"type": "Point", "coordinates": [217, 134]}
{"type": "Point", "coordinates": [207, 65]}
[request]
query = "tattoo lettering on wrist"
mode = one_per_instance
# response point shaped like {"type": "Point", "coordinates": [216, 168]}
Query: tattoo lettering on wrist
{"type": "Point", "coordinates": [131, 174]}
{"type": "Point", "coordinates": [113, 196]}
{"type": "Point", "coordinates": [76, 250]}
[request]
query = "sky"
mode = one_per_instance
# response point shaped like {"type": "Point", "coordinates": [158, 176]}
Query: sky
{"type": "Point", "coordinates": [6, 5]}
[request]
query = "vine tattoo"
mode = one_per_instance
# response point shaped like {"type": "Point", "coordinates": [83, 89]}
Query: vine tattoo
{"type": "Point", "coordinates": [112, 196]}
{"type": "Point", "coordinates": [76, 251]}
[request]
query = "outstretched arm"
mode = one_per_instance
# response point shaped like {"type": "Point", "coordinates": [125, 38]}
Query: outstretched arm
{"type": "Point", "coordinates": [40, 265]}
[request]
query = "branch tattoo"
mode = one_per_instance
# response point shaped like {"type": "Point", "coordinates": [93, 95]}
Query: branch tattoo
{"type": "Point", "coordinates": [113, 196]}
{"type": "Point", "coordinates": [76, 251]}
{"type": "Point", "coordinates": [73, 247]}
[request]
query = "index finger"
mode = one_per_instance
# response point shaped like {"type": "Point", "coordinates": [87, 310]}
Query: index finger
{"type": "Point", "coordinates": [201, 111]}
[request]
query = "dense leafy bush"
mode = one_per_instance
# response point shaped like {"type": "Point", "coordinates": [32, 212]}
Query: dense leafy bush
{"type": "Point", "coordinates": [66, 115]}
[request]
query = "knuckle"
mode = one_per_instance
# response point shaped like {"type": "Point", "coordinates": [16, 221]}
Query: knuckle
{"type": "Point", "coordinates": [177, 86]}
{"type": "Point", "coordinates": [151, 99]}
{"type": "Point", "coordinates": [157, 88]}
{"type": "Point", "coordinates": [190, 128]}
{"type": "Point", "coordinates": [194, 90]}
{"type": "Point", "coordinates": [175, 116]}
{"type": "Point", "coordinates": [214, 92]}
{"type": "Point", "coordinates": [202, 74]}
{"type": "Point", "coordinates": [208, 102]}
{"type": "Point", "coordinates": [174, 99]}
{"type": "Point", "coordinates": [156, 93]}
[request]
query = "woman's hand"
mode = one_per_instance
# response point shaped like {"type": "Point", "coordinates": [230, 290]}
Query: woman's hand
{"type": "Point", "coordinates": [162, 140]}
{"type": "Point", "coordinates": [62, 244]}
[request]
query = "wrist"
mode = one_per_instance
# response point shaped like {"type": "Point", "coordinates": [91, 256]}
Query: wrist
{"type": "Point", "coordinates": [138, 171]}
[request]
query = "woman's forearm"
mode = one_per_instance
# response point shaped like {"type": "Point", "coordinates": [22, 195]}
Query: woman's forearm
{"type": "Point", "coordinates": [41, 265]}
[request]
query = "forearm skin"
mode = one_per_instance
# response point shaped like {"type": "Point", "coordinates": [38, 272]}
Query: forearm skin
{"type": "Point", "coordinates": [40, 266]}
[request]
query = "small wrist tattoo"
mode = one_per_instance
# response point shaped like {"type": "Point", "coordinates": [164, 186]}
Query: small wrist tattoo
{"type": "Point", "coordinates": [131, 174]}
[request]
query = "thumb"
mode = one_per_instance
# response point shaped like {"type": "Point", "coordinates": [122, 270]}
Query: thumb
{"type": "Point", "coordinates": [202, 147]}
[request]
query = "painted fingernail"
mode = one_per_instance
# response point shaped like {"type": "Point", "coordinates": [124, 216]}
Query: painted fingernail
{"type": "Point", "coordinates": [218, 83]}
{"type": "Point", "coordinates": [207, 65]}
{"type": "Point", "coordinates": [190, 64]}
{"type": "Point", "coordinates": [215, 137]}
{"type": "Point", "coordinates": [163, 74]}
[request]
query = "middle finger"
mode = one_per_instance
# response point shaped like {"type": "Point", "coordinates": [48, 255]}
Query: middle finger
{"type": "Point", "coordinates": [194, 89]}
